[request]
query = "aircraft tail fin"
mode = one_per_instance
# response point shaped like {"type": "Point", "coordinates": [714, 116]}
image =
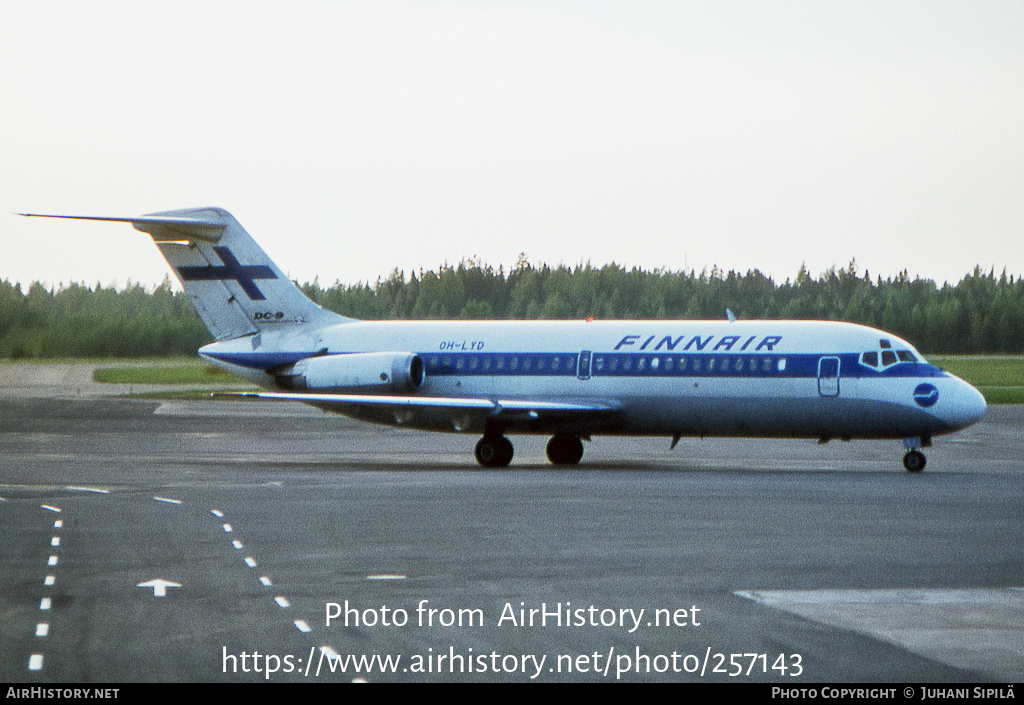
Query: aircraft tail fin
{"type": "Point", "coordinates": [236, 289]}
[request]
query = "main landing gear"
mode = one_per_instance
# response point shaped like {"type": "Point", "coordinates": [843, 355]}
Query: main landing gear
{"type": "Point", "coordinates": [495, 451]}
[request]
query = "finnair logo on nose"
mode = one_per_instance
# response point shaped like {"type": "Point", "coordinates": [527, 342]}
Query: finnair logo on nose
{"type": "Point", "coordinates": [926, 394]}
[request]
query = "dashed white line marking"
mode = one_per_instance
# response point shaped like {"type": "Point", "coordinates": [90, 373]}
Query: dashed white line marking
{"type": "Point", "coordinates": [35, 662]}
{"type": "Point", "coordinates": [42, 629]}
{"type": "Point", "coordinates": [265, 580]}
{"type": "Point", "coordinates": [59, 524]}
{"type": "Point", "coordinates": [250, 561]}
{"type": "Point", "coordinates": [282, 601]}
{"type": "Point", "coordinates": [55, 541]}
{"type": "Point", "coordinates": [227, 528]}
{"type": "Point", "coordinates": [44, 604]}
{"type": "Point", "coordinates": [302, 626]}
{"type": "Point", "coordinates": [97, 490]}
{"type": "Point", "coordinates": [50, 507]}
{"type": "Point", "coordinates": [237, 544]}
{"type": "Point", "coordinates": [50, 580]}
{"type": "Point", "coordinates": [217, 513]}
{"type": "Point", "coordinates": [168, 500]}
{"type": "Point", "coordinates": [52, 560]}
{"type": "Point", "coordinates": [386, 576]}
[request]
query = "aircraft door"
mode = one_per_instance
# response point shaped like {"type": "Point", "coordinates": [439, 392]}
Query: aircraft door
{"type": "Point", "coordinates": [583, 371]}
{"type": "Point", "coordinates": [828, 376]}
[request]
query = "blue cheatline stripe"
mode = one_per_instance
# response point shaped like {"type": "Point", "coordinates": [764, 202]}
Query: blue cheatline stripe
{"type": "Point", "coordinates": [616, 364]}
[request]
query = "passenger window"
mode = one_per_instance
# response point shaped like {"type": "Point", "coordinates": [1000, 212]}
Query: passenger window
{"type": "Point", "coordinates": [782, 364]}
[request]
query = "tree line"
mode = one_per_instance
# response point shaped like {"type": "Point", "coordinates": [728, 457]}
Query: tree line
{"type": "Point", "coordinates": [983, 313]}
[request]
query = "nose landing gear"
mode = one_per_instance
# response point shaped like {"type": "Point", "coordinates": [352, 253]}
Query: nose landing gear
{"type": "Point", "coordinates": [914, 460]}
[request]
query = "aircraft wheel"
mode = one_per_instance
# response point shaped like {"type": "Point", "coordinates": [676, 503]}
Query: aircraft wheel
{"type": "Point", "coordinates": [914, 461]}
{"type": "Point", "coordinates": [565, 449]}
{"type": "Point", "coordinates": [493, 452]}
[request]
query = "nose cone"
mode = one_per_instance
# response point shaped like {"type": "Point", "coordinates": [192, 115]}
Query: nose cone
{"type": "Point", "coordinates": [967, 405]}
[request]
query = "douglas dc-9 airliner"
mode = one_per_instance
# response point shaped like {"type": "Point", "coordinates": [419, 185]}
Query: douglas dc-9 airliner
{"type": "Point", "coordinates": [570, 380]}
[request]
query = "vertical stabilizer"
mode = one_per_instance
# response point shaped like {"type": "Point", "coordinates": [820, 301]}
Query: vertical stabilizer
{"type": "Point", "coordinates": [236, 289]}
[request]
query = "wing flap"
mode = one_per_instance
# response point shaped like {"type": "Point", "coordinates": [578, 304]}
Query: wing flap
{"type": "Point", "coordinates": [494, 408]}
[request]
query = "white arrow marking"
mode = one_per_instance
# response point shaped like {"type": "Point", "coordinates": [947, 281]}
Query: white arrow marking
{"type": "Point", "coordinates": [159, 586]}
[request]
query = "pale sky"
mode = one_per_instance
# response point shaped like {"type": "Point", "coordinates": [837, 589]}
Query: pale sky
{"type": "Point", "coordinates": [353, 137]}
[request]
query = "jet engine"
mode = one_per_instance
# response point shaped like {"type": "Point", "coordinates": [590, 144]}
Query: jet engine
{"type": "Point", "coordinates": [372, 373]}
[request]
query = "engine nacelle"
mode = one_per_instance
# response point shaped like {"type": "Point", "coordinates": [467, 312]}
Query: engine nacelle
{"type": "Point", "coordinates": [371, 373]}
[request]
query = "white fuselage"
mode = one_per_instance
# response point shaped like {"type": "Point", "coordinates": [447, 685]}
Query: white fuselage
{"type": "Point", "coordinates": [679, 378]}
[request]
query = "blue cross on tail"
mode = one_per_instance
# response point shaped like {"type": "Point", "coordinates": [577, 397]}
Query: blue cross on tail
{"type": "Point", "coordinates": [231, 269]}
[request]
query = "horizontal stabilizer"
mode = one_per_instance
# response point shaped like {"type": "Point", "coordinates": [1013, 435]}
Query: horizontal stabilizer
{"type": "Point", "coordinates": [160, 227]}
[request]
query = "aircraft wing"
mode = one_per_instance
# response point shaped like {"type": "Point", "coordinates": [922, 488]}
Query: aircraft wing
{"type": "Point", "coordinates": [510, 410]}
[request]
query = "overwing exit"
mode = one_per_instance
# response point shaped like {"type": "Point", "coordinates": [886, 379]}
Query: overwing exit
{"type": "Point", "coordinates": [571, 380]}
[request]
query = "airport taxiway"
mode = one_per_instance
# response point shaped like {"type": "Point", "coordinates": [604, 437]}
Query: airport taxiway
{"type": "Point", "coordinates": [804, 563]}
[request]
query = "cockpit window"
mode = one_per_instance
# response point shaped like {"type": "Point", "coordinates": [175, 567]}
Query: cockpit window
{"type": "Point", "coordinates": [888, 356]}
